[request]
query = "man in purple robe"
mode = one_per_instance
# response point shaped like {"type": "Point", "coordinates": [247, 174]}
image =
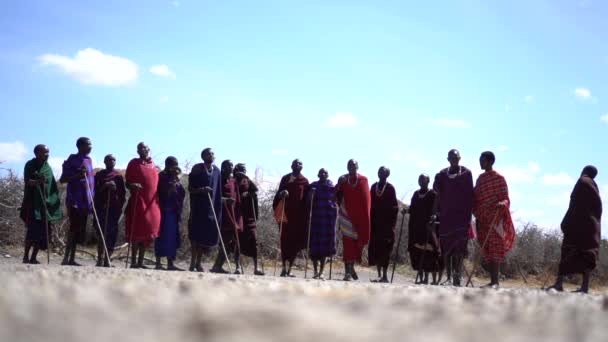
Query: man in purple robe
{"type": "Point", "coordinates": [78, 174]}
{"type": "Point", "coordinates": [454, 187]}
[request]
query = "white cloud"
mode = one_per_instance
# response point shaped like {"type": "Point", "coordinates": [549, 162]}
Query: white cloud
{"type": "Point", "coordinates": [529, 99]}
{"type": "Point", "coordinates": [175, 3]}
{"type": "Point", "coordinates": [91, 66]}
{"type": "Point", "coordinates": [56, 164]}
{"type": "Point", "coordinates": [503, 148]}
{"type": "Point", "coordinates": [279, 152]}
{"type": "Point", "coordinates": [507, 108]}
{"type": "Point", "coordinates": [561, 178]}
{"type": "Point", "coordinates": [604, 118]}
{"type": "Point", "coordinates": [12, 151]}
{"type": "Point", "coordinates": [412, 157]}
{"type": "Point", "coordinates": [561, 201]}
{"type": "Point", "coordinates": [517, 174]}
{"type": "Point", "coordinates": [341, 120]}
{"type": "Point", "coordinates": [164, 99]}
{"type": "Point", "coordinates": [605, 189]}
{"type": "Point", "coordinates": [582, 93]}
{"type": "Point", "coordinates": [162, 71]}
{"type": "Point", "coordinates": [453, 123]}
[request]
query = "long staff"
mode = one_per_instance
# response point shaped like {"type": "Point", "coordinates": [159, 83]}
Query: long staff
{"type": "Point", "coordinates": [280, 234]}
{"type": "Point", "coordinates": [46, 223]}
{"type": "Point", "coordinates": [131, 229]}
{"type": "Point", "coordinates": [255, 219]}
{"type": "Point", "coordinates": [219, 232]}
{"type": "Point", "coordinates": [103, 239]}
{"type": "Point", "coordinates": [476, 265]}
{"type": "Point", "coordinates": [105, 224]}
{"type": "Point", "coordinates": [331, 257]}
{"type": "Point", "coordinates": [398, 245]}
{"type": "Point", "coordinates": [312, 202]}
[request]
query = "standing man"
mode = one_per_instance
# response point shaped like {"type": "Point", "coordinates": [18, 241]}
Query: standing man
{"type": "Point", "coordinates": [204, 181]}
{"type": "Point", "coordinates": [354, 217]}
{"type": "Point", "coordinates": [232, 223]}
{"type": "Point", "coordinates": [171, 194]}
{"type": "Point", "coordinates": [384, 212]}
{"type": "Point", "coordinates": [293, 190]}
{"type": "Point", "coordinates": [491, 209]}
{"type": "Point", "coordinates": [110, 195]}
{"type": "Point", "coordinates": [454, 187]}
{"type": "Point", "coordinates": [323, 222]}
{"type": "Point", "coordinates": [582, 231]}
{"type": "Point", "coordinates": [249, 212]}
{"type": "Point", "coordinates": [40, 193]}
{"type": "Point", "coordinates": [143, 211]}
{"type": "Point", "coordinates": [78, 174]}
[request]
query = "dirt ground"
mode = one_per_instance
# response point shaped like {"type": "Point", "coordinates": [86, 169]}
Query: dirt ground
{"type": "Point", "coordinates": [68, 304]}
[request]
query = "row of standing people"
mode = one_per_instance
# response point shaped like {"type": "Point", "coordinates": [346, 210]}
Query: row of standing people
{"type": "Point", "coordinates": [224, 203]}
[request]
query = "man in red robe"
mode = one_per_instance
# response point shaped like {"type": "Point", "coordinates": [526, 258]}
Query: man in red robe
{"type": "Point", "coordinates": [292, 192]}
{"type": "Point", "coordinates": [142, 215]}
{"type": "Point", "coordinates": [491, 209]}
{"type": "Point", "coordinates": [354, 217]}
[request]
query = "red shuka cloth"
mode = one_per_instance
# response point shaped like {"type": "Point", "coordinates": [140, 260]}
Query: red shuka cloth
{"type": "Point", "coordinates": [145, 226]}
{"type": "Point", "coordinates": [491, 188]}
{"type": "Point", "coordinates": [357, 201]}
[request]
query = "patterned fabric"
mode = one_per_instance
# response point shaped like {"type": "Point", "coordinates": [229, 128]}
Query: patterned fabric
{"type": "Point", "coordinates": [201, 228]}
{"type": "Point", "coordinates": [77, 195]}
{"type": "Point", "coordinates": [323, 219]}
{"type": "Point", "coordinates": [491, 189]}
{"type": "Point", "coordinates": [142, 213]}
{"type": "Point", "coordinates": [455, 193]}
{"type": "Point", "coordinates": [345, 225]}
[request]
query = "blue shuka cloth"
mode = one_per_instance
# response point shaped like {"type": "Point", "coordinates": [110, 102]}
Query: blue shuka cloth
{"type": "Point", "coordinates": [323, 223]}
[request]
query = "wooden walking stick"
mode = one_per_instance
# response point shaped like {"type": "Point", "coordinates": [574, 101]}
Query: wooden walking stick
{"type": "Point", "coordinates": [103, 239]}
{"type": "Point", "coordinates": [255, 219]}
{"type": "Point", "coordinates": [219, 231]}
{"type": "Point", "coordinates": [280, 234]}
{"type": "Point", "coordinates": [492, 228]}
{"type": "Point", "coordinates": [46, 223]}
{"type": "Point", "coordinates": [397, 250]}
{"type": "Point", "coordinates": [131, 228]}
{"type": "Point", "coordinates": [331, 257]}
{"type": "Point", "coordinates": [105, 223]}
{"type": "Point", "coordinates": [312, 201]}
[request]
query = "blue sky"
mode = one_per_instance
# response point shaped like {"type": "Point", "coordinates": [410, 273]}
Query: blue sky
{"type": "Point", "coordinates": [394, 83]}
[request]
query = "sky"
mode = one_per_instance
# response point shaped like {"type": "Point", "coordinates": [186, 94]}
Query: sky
{"type": "Point", "coordinates": [395, 83]}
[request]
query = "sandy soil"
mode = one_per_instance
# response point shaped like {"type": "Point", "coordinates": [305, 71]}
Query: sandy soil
{"type": "Point", "coordinates": [54, 303]}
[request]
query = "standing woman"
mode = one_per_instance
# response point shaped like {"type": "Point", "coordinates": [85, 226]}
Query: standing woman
{"type": "Point", "coordinates": [171, 196]}
{"type": "Point", "coordinates": [423, 244]}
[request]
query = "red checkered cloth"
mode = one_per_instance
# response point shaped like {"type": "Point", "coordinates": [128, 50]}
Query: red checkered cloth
{"type": "Point", "coordinates": [491, 189]}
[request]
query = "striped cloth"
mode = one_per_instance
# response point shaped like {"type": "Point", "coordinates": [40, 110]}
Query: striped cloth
{"type": "Point", "coordinates": [491, 188]}
{"type": "Point", "coordinates": [345, 225]}
{"type": "Point", "coordinates": [323, 219]}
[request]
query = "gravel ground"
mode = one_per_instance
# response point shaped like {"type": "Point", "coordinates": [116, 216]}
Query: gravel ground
{"type": "Point", "coordinates": [53, 303]}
